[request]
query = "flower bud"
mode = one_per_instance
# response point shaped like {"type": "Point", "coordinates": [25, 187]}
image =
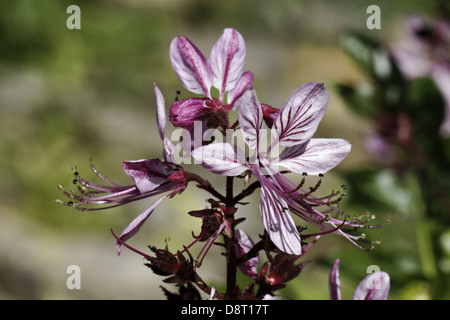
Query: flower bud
{"type": "Point", "coordinates": [284, 269]}
{"type": "Point", "coordinates": [211, 112]}
{"type": "Point", "coordinates": [164, 264]}
{"type": "Point", "coordinates": [184, 113]}
{"type": "Point", "coordinates": [269, 114]}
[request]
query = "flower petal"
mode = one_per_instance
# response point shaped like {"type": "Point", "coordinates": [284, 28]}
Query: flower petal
{"type": "Point", "coordinates": [221, 158]}
{"type": "Point", "coordinates": [441, 77]}
{"type": "Point", "coordinates": [137, 223]}
{"type": "Point", "coordinates": [227, 60]}
{"type": "Point", "coordinates": [184, 113]}
{"type": "Point", "coordinates": [161, 123]}
{"type": "Point", "coordinates": [244, 83]}
{"type": "Point", "coordinates": [278, 221]}
{"type": "Point", "coordinates": [147, 174]}
{"type": "Point", "coordinates": [335, 282]}
{"type": "Point", "coordinates": [374, 286]}
{"type": "Point", "coordinates": [301, 115]}
{"type": "Point", "coordinates": [314, 157]}
{"type": "Point", "coordinates": [244, 244]}
{"type": "Point", "coordinates": [250, 118]}
{"type": "Point", "coordinates": [160, 111]}
{"type": "Point", "coordinates": [190, 66]}
{"type": "Point", "coordinates": [410, 61]}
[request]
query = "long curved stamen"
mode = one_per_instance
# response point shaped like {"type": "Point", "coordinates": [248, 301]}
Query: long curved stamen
{"type": "Point", "coordinates": [303, 204]}
{"type": "Point", "coordinates": [91, 185]}
{"type": "Point", "coordinates": [101, 176]}
{"type": "Point", "coordinates": [324, 232]}
{"type": "Point", "coordinates": [146, 256]}
{"type": "Point", "coordinates": [107, 196]}
{"type": "Point", "coordinates": [197, 239]}
{"type": "Point", "coordinates": [208, 245]}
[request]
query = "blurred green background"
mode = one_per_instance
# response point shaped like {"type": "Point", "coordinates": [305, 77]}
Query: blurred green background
{"type": "Point", "coordinates": [69, 95]}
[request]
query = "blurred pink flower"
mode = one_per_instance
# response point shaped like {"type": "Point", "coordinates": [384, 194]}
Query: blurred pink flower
{"type": "Point", "coordinates": [425, 52]}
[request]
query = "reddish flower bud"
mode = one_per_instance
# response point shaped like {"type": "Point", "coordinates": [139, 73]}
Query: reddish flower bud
{"type": "Point", "coordinates": [269, 114]}
{"type": "Point", "coordinates": [184, 113]}
{"type": "Point", "coordinates": [284, 269]}
{"type": "Point", "coordinates": [164, 264]}
{"type": "Point", "coordinates": [211, 112]}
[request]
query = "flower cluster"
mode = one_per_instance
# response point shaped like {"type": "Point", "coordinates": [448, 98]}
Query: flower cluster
{"type": "Point", "coordinates": [292, 149]}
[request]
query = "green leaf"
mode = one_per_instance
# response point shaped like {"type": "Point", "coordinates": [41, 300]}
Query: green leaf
{"type": "Point", "coordinates": [358, 98]}
{"type": "Point", "coordinates": [378, 64]}
{"type": "Point", "coordinates": [382, 188]}
{"type": "Point", "coordinates": [425, 107]}
{"type": "Point", "coordinates": [370, 56]}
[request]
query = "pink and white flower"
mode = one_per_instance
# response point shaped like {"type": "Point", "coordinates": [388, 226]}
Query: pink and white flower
{"type": "Point", "coordinates": [223, 70]}
{"type": "Point", "coordinates": [292, 129]}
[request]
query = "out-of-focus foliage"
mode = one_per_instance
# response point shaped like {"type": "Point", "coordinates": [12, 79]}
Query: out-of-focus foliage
{"type": "Point", "coordinates": [411, 179]}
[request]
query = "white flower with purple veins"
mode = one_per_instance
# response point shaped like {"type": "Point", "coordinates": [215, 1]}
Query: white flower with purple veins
{"type": "Point", "coordinates": [223, 70]}
{"type": "Point", "coordinates": [292, 129]}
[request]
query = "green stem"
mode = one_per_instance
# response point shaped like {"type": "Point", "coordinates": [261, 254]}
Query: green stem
{"type": "Point", "coordinates": [425, 246]}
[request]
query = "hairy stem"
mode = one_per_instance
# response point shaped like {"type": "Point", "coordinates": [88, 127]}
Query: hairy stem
{"type": "Point", "coordinates": [205, 185]}
{"type": "Point", "coordinates": [246, 192]}
{"type": "Point", "coordinates": [253, 252]}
